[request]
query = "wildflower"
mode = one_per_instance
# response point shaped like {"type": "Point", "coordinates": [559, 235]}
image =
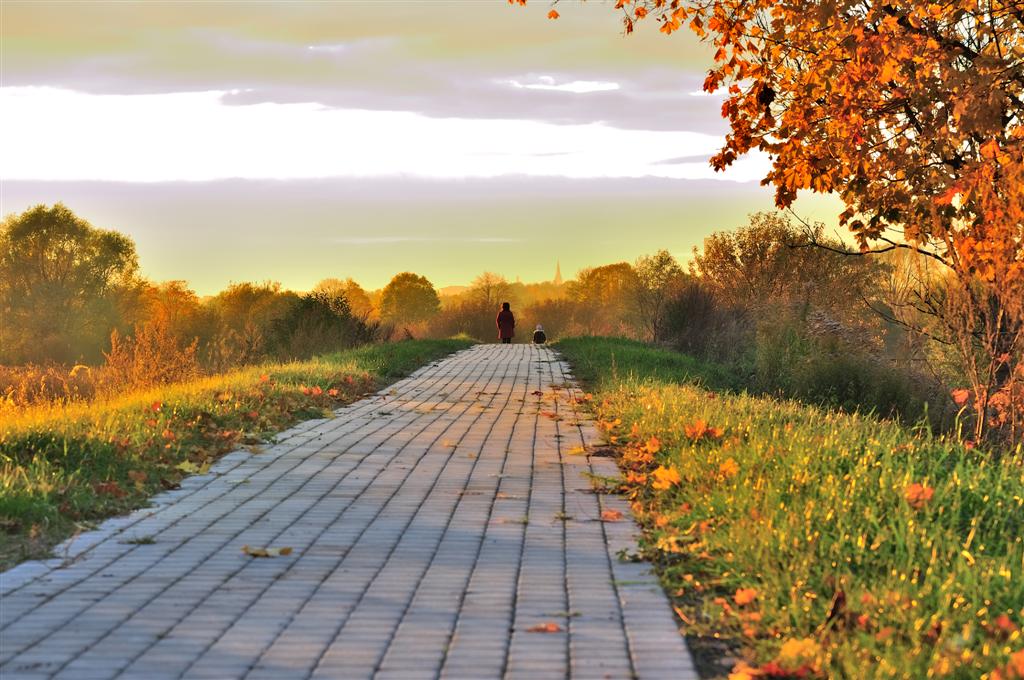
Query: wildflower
{"type": "Point", "coordinates": [155, 406]}
{"type": "Point", "coordinates": [665, 477]}
{"type": "Point", "coordinates": [729, 468]}
{"type": "Point", "coordinates": [333, 392]}
{"type": "Point", "coordinates": [653, 445]}
{"type": "Point", "coordinates": [918, 494]}
{"type": "Point", "coordinates": [744, 596]}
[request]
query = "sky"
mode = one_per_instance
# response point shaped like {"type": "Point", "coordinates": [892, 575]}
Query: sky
{"type": "Point", "coordinates": [294, 141]}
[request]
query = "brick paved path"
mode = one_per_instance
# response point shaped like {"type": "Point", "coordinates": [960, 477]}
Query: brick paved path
{"type": "Point", "coordinates": [432, 526]}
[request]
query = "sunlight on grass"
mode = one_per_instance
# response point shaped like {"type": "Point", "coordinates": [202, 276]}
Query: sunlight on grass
{"type": "Point", "coordinates": [814, 542]}
{"type": "Point", "coordinates": [65, 465]}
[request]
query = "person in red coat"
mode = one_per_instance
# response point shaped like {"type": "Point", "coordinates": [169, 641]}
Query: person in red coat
{"type": "Point", "coordinates": [506, 323]}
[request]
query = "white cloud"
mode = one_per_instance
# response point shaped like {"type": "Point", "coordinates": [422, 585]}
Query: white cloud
{"type": "Point", "coordinates": [55, 134]}
{"type": "Point", "coordinates": [342, 47]}
{"type": "Point", "coordinates": [575, 86]}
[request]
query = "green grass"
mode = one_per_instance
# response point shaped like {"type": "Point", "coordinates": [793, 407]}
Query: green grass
{"type": "Point", "coordinates": [62, 467]}
{"type": "Point", "coordinates": [603, 361]}
{"type": "Point", "coordinates": [850, 574]}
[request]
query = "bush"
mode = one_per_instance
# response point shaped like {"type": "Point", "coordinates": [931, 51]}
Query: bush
{"type": "Point", "coordinates": [154, 356]}
{"type": "Point", "coordinates": [27, 385]}
{"type": "Point", "coordinates": [828, 371]}
{"type": "Point", "coordinates": [698, 323]}
{"type": "Point", "coordinates": [317, 323]}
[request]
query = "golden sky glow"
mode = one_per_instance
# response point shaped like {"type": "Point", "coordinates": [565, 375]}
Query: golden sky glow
{"type": "Point", "coordinates": [444, 137]}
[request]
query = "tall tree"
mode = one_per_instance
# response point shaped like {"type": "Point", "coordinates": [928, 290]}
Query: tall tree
{"type": "Point", "coordinates": [489, 290]}
{"type": "Point", "coordinates": [409, 298]}
{"type": "Point", "coordinates": [657, 276]}
{"type": "Point", "coordinates": [59, 284]}
{"type": "Point", "coordinates": [604, 297]}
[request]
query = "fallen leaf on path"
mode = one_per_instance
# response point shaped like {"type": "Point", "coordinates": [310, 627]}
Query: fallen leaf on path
{"type": "Point", "coordinates": [188, 467]}
{"type": "Point", "coordinates": [265, 552]}
{"type": "Point", "coordinates": [537, 393]}
{"type": "Point", "coordinates": [576, 450]}
{"type": "Point", "coordinates": [611, 516]}
{"type": "Point", "coordinates": [549, 627]}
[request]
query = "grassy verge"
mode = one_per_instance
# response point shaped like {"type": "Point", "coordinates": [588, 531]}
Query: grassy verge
{"type": "Point", "coordinates": [63, 467]}
{"type": "Point", "coordinates": [814, 543]}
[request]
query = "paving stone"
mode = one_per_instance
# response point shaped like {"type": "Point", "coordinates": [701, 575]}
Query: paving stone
{"type": "Point", "coordinates": [433, 524]}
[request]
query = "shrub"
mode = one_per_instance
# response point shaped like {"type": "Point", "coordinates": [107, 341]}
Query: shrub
{"type": "Point", "coordinates": [316, 323]}
{"type": "Point", "coordinates": [153, 356]}
{"type": "Point", "coordinates": [698, 323]}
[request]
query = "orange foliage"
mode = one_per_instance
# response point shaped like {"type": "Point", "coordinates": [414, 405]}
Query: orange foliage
{"type": "Point", "coordinates": [918, 495]}
{"type": "Point", "coordinates": [913, 114]}
{"type": "Point", "coordinates": [701, 430]}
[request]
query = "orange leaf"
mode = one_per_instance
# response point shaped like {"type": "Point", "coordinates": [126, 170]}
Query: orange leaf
{"type": "Point", "coordinates": [665, 477]}
{"type": "Point", "coordinates": [265, 552]}
{"type": "Point", "coordinates": [960, 396]}
{"type": "Point", "coordinates": [918, 494]}
{"type": "Point", "coordinates": [744, 596]}
{"type": "Point", "coordinates": [729, 468]}
{"type": "Point", "coordinates": [553, 14]}
{"type": "Point", "coordinates": [700, 430]}
{"type": "Point", "coordinates": [611, 516]}
{"type": "Point", "coordinates": [549, 627]}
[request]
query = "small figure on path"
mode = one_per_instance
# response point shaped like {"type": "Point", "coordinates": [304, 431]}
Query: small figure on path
{"type": "Point", "coordinates": [506, 323]}
{"type": "Point", "coordinates": [539, 336]}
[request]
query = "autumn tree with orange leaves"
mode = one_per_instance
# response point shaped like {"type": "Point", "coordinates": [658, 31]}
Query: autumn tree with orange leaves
{"type": "Point", "coordinates": [911, 112]}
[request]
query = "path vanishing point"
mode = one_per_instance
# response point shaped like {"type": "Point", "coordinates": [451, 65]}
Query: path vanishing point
{"type": "Point", "coordinates": [433, 525]}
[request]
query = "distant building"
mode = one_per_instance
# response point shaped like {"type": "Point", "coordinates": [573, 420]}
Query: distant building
{"type": "Point", "coordinates": [558, 273]}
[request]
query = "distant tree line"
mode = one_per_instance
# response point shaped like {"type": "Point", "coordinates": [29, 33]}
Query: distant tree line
{"type": "Point", "coordinates": [788, 308]}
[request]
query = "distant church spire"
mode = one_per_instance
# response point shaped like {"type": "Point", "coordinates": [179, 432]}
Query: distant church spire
{"type": "Point", "coordinates": [558, 273]}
